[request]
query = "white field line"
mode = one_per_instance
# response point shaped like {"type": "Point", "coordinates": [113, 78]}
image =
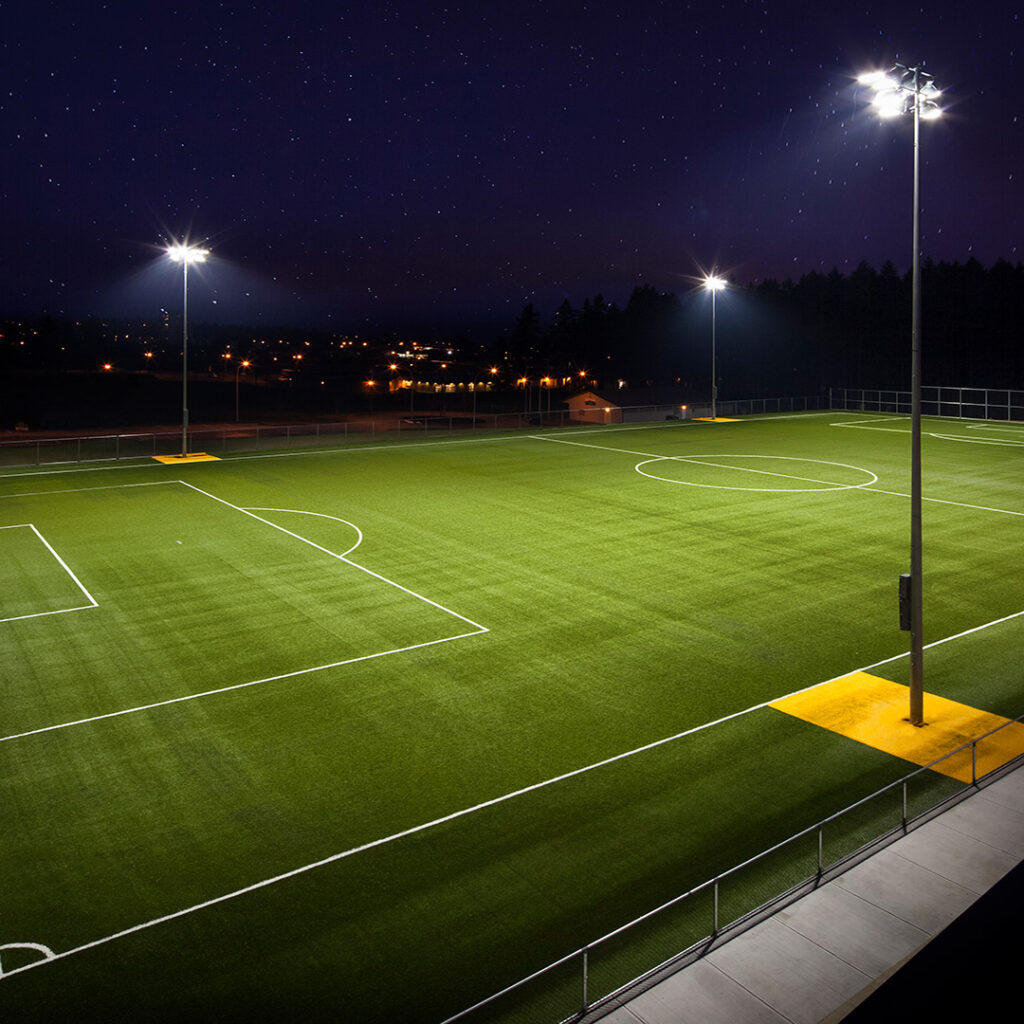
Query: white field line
{"type": "Point", "coordinates": [997, 442]}
{"type": "Point", "coordinates": [947, 501]}
{"type": "Point", "coordinates": [868, 426]}
{"type": "Point", "coordinates": [60, 561]}
{"type": "Point", "coordinates": [83, 490]}
{"type": "Point", "coordinates": [865, 488]}
{"type": "Point", "coordinates": [36, 946]}
{"type": "Point", "coordinates": [237, 686]}
{"type": "Point", "coordinates": [477, 630]}
{"type": "Point", "coordinates": [360, 447]}
{"type": "Point", "coordinates": [341, 558]}
{"type": "Point", "coordinates": [475, 808]}
{"type": "Point", "coordinates": [702, 460]}
{"type": "Point", "coordinates": [352, 448]}
{"type": "Point", "coordinates": [1004, 442]}
{"type": "Point", "coordinates": [761, 418]}
{"type": "Point", "coordinates": [64, 566]}
{"type": "Point", "coordinates": [598, 447]}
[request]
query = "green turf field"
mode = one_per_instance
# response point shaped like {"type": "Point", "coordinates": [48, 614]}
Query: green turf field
{"type": "Point", "coordinates": [368, 734]}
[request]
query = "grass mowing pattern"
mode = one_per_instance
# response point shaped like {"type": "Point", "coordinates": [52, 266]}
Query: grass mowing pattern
{"type": "Point", "coordinates": [619, 609]}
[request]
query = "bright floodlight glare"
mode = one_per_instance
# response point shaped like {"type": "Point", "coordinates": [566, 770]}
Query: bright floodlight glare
{"type": "Point", "coordinates": [876, 79]}
{"type": "Point", "coordinates": [714, 284]}
{"type": "Point", "coordinates": [901, 90]}
{"type": "Point", "coordinates": [182, 253]}
{"type": "Point", "coordinates": [889, 103]}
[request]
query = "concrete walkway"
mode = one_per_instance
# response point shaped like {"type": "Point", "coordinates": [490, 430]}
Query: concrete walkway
{"type": "Point", "coordinates": [816, 960]}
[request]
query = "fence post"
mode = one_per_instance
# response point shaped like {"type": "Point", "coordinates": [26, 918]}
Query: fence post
{"type": "Point", "coordinates": [714, 923]}
{"type": "Point", "coordinates": [974, 763]}
{"type": "Point", "coordinates": [583, 1008]}
{"type": "Point", "coordinates": [821, 850]}
{"type": "Point", "coordinates": [904, 787]}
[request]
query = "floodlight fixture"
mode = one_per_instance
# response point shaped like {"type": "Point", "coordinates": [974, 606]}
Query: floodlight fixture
{"type": "Point", "coordinates": [902, 90]}
{"type": "Point", "coordinates": [906, 90]}
{"type": "Point", "coordinates": [184, 253]}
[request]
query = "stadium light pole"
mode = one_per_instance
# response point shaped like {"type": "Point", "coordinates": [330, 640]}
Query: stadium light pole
{"type": "Point", "coordinates": [906, 90]}
{"type": "Point", "coordinates": [714, 285]}
{"type": "Point", "coordinates": [185, 254]}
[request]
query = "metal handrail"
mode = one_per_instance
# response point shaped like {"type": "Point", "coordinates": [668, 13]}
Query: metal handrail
{"type": "Point", "coordinates": [583, 953]}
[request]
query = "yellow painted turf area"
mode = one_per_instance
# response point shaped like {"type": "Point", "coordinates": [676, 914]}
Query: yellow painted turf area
{"type": "Point", "coordinates": [171, 460]}
{"type": "Point", "coordinates": [874, 711]}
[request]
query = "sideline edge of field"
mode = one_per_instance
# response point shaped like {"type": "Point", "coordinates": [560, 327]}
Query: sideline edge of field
{"type": "Point", "coordinates": [362, 447]}
{"type": "Point", "coordinates": [50, 957]}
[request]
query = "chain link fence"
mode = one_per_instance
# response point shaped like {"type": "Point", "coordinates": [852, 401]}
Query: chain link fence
{"type": "Point", "coordinates": [955, 402]}
{"type": "Point", "coordinates": [391, 426]}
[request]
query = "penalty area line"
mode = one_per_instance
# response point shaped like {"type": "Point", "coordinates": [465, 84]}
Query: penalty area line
{"type": "Point", "coordinates": [239, 686]}
{"type": "Point", "coordinates": [333, 554]}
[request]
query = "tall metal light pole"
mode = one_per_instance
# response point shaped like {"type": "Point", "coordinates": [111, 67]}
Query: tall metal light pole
{"type": "Point", "coordinates": [714, 285]}
{"type": "Point", "coordinates": [185, 254]}
{"type": "Point", "coordinates": [906, 90]}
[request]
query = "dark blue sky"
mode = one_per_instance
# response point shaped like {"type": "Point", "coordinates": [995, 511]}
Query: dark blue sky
{"type": "Point", "coordinates": [401, 163]}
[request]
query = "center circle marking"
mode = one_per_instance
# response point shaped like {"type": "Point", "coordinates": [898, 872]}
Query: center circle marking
{"type": "Point", "coordinates": [697, 460]}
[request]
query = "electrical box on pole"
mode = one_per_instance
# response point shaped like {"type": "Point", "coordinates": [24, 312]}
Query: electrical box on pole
{"type": "Point", "coordinates": [905, 602]}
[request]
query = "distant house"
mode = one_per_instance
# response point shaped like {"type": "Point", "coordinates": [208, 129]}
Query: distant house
{"type": "Point", "coordinates": [630, 405]}
{"type": "Point", "coordinates": [590, 407]}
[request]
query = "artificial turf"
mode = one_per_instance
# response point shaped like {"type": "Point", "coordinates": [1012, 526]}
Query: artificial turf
{"type": "Point", "coordinates": [357, 672]}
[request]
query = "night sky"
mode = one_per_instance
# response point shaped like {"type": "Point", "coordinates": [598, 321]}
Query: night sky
{"type": "Point", "coordinates": [399, 164]}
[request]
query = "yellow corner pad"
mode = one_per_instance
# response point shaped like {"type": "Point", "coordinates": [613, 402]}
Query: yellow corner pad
{"type": "Point", "coordinates": [715, 419]}
{"type": "Point", "coordinates": [173, 460]}
{"type": "Point", "coordinates": [874, 711]}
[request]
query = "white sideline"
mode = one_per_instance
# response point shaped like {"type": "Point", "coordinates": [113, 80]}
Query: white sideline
{"type": "Point", "coordinates": [1004, 442]}
{"type": "Point", "coordinates": [361, 447]}
{"type": "Point", "coordinates": [405, 833]}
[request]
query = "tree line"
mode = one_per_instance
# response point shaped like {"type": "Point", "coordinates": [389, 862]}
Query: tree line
{"type": "Point", "coordinates": [789, 337]}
